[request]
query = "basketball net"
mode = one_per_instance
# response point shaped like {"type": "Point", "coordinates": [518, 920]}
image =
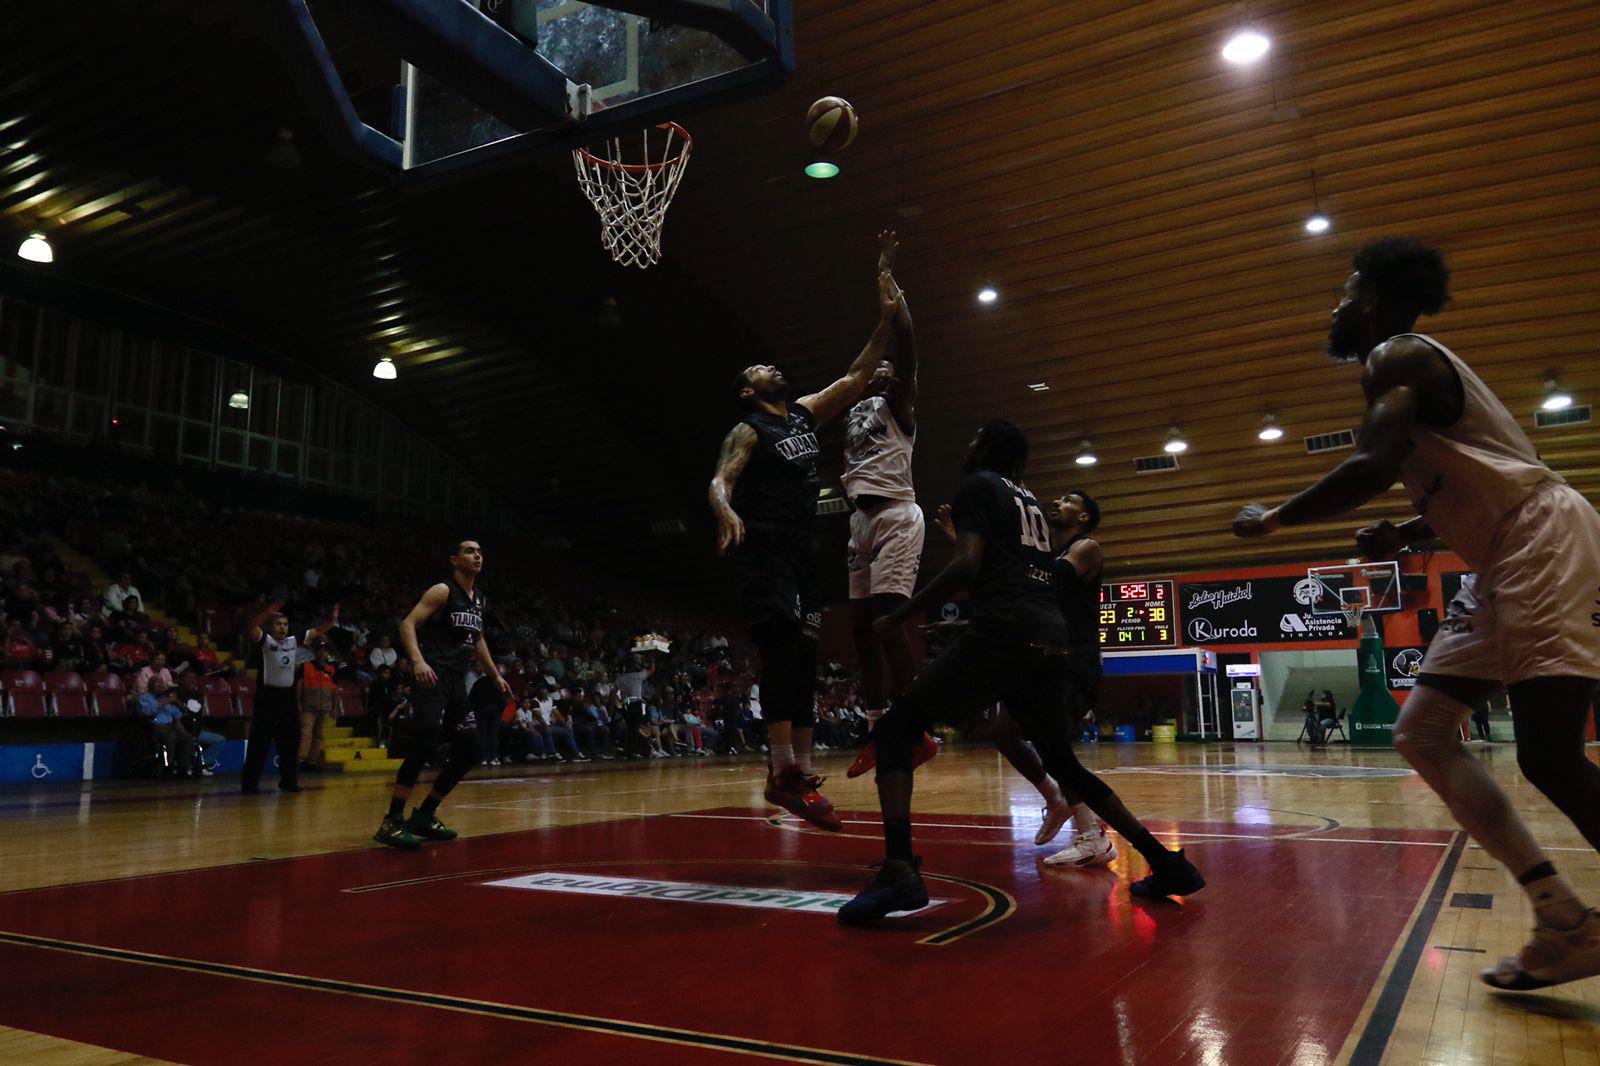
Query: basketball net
{"type": "Point", "coordinates": [632, 194]}
{"type": "Point", "coordinates": [1353, 613]}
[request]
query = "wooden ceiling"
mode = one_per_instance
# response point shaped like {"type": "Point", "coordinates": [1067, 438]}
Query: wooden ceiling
{"type": "Point", "coordinates": [1138, 203]}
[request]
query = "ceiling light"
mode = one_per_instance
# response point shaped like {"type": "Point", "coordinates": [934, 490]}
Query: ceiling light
{"type": "Point", "coordinates": [1038, 386]}
{"type": "Point", "coordinates": [1318, 223]}
{"type": "Point", "coordinates": [240, 400]}
{"type": "Point", "coordinates": [1270, 430]}
{"type": "Point", "coordinates": [35, 249]}
{"type": "Point", "coordinates": [1555, 397]}
{"type": "Point", "coordinates": [383, 369]}
{"type": "Point", "coordinates": [988, 295]}
{"type": "Point", "coordinates": [1086, 455]}
{"type": "Point", "coordinates": [1175, 442]}
{"type": "Point", "coordinates": [822, 169]}
{"type": "Point", "coordinates": [1245, 47]}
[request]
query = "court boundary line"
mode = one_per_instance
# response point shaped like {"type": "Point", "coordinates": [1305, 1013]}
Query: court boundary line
{"type": "Point", "coordinates": [1384, 1017]}
{"type": "Point", "coordinates": [458, 1004]}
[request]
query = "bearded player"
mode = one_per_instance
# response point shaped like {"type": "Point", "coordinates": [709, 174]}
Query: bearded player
{"type": "Point", "coordinates": [764, 495]}
{"type": "Point", "coordinates": [1527, 619]}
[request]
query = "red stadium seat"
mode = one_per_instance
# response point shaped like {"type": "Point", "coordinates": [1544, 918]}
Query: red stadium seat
{"type": "Point", "coordinates": [244, 695]}
{"type": "Point", "coordinates": [352, 700]}
{"type": "Point", "coordinates": [110, 697]}
{"type": "Point", "coordinates": [68, 693]}
{"type": "Point", "coordinates": [25, 694]}
{"type": "Point", "coordinates": [217, 696]}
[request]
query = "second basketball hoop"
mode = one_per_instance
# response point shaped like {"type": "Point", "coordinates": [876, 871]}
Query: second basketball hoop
{"type": "Point", "coordinates": [631, 181]}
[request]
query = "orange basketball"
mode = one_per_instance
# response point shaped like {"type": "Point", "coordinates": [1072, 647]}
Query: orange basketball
{"type": "Point", "coordinates": [831, 123]}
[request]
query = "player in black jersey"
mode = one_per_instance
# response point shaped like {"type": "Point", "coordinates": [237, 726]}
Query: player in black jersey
{"type": "Point", "coordinates": [764, 495]}
{"type": "Point", "coordinates": [443, 637]}
{"type": "Point", "coordinates": [1015, 650]}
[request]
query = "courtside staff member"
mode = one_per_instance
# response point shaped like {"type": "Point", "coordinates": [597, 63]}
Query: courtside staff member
{"type": "Point", "coordinates": [276, 719]}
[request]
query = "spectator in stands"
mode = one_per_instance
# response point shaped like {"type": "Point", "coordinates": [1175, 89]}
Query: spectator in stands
{"type": "Point", "coordinates": [95, 655]}
{"type": "Point", "coordinates": [203, 656]}
{"type": "Point", "coordinates": [155, 669]}
{"type": "Point", "coordinates": [156, 705]}
{"type": "Point", "coordinates": [1327, 713]}
{"type": "Point", "coordinates": [118, 594]}
{"type": "Point", "coordinates": [523, 741]}
{"type": "Point", "coordinates": [19, 652]}
{"type": "Point", "coordinates": [382, 654]}
{"type": "Point", "coordinates": [751, 724]}
{"type": "Point", "coordinates": [561, 731]}
{"type": "Point", "coordinates": [68, 647]}
{"type": "Point", "coordinates": [316, 703]}
{"type": "Point", "coordinates": [829, 729]}
{"type": "Point", "coordinates": [133, 654]}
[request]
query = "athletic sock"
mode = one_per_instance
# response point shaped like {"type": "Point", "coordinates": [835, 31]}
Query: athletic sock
{"type": "Point", "coordinates": [1552, 897]}
{"type": "Point", "coordinates": [428, 807]}
{"type": "Point", "coordinates": [1083, 819]}
{"type": "Point", "coordinates": [1050, 791]}
{"type": "Point", "coordinates": [802, 759]}
{"type": "Point", "coordinates": [397, 806]}
{"type": "Point", "coordinates": [781, 756]}
{"type": "Point", "coordinates": [897, 838]}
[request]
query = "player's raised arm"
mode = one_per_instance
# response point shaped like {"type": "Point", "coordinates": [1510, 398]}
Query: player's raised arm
{"type": "Point", "coordinates": [1394, 373]}
{"type": "Point", "coordinates": [839, 396]}
{"type": "Point", "coordinates": [736, 449]}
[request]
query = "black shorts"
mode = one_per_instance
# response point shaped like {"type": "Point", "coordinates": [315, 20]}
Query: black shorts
{"type": "Point", "coordinates": [976, 672]}
{"type": "Point", "coordinates": [777, 572]}
{"type": "Point", "coordinates": [444, 708]}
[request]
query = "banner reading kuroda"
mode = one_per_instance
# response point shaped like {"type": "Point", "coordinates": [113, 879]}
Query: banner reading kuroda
{"type": "Point", "coordinates": [1263, 610]}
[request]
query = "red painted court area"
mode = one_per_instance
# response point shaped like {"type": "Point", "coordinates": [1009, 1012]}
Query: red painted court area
{"type": "Point", "coordinates": [380, 956]}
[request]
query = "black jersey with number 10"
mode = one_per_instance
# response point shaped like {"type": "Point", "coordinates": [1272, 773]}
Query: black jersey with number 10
{"type": "Point", "coordinates": [1014, 596]}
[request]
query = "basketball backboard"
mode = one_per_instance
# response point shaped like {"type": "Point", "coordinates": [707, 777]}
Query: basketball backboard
{"type": "Point", "coordinates": [1329, 590]}
{"type": "Point", "coordinates": [623, 69]}
{"type": "Point", "coordinates": [487, 80]}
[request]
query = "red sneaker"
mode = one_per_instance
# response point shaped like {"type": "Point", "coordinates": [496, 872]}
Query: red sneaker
{"type": "Point", "coordinates": [867, 758]}
{"type": "Point", "coordinates": [797, 794]}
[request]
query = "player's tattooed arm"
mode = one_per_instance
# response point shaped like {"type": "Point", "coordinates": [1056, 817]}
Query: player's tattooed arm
{"type": "Point", "coordinates": [1396, 372]}
{"type": "Point", "coordinates": [838, 397]}
{"type": "Point", "coordinates": [736, 449]}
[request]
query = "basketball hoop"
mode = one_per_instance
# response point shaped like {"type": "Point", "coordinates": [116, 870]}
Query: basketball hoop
{"type": "Point", "coordinates": [632, 196]}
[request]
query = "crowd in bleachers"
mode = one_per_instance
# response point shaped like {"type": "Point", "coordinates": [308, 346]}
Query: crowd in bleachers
{"type": "Point", "coordinates": [213, 566]}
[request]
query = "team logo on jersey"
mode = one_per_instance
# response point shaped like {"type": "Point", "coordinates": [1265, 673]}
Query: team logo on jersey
{"type": "Point", "coordinates": [865, 422]}
{"type": "Point", "coordinates": [799, 446]}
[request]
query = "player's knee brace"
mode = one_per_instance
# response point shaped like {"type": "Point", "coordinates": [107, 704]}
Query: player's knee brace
{"type": "Point", "coordinates": [1429, 725]}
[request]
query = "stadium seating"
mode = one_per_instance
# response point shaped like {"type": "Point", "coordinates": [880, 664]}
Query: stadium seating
{"type": "Point", "coordinates": [110, 695]}
{"type": "Point", "coordinates": [68, 694]}
{"type": "Point", "coordinates": [217, 696]}
{"type": "Point", "coordinates": [244, 695]}
{"type": "Point", "coordinates": [25, 695]}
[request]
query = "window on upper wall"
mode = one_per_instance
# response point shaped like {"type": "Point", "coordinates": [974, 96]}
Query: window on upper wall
{"type": "Point", "coordinates": [264, 405]}
{"type": "Point", "coordinates": [135, 369]}
{"type": "Point", "coordinates": [168, 373]}
{"type": "Point", "coordinates": [19, 330]}
{"type": "Point", "coordinates": [200, 386]}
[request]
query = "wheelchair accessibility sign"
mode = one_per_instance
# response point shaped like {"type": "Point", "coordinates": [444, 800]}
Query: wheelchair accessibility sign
{"type": "Point", "coordinates": [41, 764]}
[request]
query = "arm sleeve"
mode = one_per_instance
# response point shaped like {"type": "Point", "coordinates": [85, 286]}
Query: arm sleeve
{"type": "Point", "coordinates": [973, 509]}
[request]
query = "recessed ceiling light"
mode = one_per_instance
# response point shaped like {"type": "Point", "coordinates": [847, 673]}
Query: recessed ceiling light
{"type": "Point", "coordinates": [1318, 223]}
{"type": "Point", "coordinates": [822, 170]}
{"type": "Point", "coordinates": [1245, 47]}
{"type": "Point", "coordinates": [1270, 430]}
{"type": "Point", "coordinates": [987, 295]}
{"type": "Point", "coordinates": [1175, 442]}
{"type": "Point", "coordinates": [384, 369]}
{"type": "Point", "coordinates": [1086, 455]}
{"type": "Point", "coordinates": [1039, 386]}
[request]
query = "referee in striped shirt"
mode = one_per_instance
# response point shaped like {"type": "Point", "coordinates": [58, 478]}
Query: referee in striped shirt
{"type": "Point", "coordinates": [276, 719]}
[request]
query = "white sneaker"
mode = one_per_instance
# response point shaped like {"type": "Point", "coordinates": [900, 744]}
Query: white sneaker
{"type": "Point", "coordinates": [1552, 957]}
{"type": "Point", "coordinates": [1054, 816]}
{"type": "Point", "coordinates": [1089, 849]}
{"type": "Point", "coordinates": [494, 762]}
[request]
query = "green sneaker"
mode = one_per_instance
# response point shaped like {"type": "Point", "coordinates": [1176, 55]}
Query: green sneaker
{"type": "Point", "coordinates": [428, 827]}
{"type": "Point", "coordinates": [394, 834]}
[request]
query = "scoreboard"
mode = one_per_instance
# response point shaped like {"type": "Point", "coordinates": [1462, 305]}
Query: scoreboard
{"type": "Point", "coordinates": [1137, 614]}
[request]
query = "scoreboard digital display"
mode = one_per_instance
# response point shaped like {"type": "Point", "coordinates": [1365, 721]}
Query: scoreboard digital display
{"type": "Point", "coordinates": [1137, 614]}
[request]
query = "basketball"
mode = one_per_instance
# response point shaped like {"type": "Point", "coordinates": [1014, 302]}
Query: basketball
{"type": "Point", "coordinates": [831, 123]}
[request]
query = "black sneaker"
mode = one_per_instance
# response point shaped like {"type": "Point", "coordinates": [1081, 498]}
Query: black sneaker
{"type": "Point", "coordinates": [897, 886]}
{"type": "Point", "coordinates": [1177, 877]}
{"type": "Point", "coordinates": [428, 827]}
{"type": "Point", "coordinates": [394, 834]}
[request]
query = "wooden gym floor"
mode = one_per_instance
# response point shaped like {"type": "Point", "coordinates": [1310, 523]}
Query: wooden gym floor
{"type": "Point", "coordinates": [655, 913]}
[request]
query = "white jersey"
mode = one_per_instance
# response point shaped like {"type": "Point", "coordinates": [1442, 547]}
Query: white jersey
{"type": "Point", "coordinates": [279, 660]}
{"type": "Point", "coordinates": [1465, 479]}
{"type": "Point", "coordinates": [877, 452]}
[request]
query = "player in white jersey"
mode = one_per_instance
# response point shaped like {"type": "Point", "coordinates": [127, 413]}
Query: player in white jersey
{"type": "Point", "coordinates": [1527, 620]}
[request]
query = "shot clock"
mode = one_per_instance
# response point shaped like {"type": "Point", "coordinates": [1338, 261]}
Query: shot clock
{"type": "Point", "coordinates": [1137, 614]}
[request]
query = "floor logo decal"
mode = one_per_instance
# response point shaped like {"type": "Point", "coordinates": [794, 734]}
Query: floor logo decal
{"type": "Point", "coordinates": [682, 892]}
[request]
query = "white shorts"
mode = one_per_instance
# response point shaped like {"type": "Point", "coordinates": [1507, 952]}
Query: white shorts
{"type": "Point", "coordinates": [885, 550]}
{"type": "Point", "coordinates": [1535, 611]}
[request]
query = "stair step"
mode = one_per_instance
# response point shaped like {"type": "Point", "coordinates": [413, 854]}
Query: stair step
{"type": "Point", "coordinates": [338, 732]}
{"type": "Point", "coordinates": [332, 755]}
{"type": "Point", "coordinates": [348, 743]}
{"type": "Point", "coordinates": [365, 766]}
